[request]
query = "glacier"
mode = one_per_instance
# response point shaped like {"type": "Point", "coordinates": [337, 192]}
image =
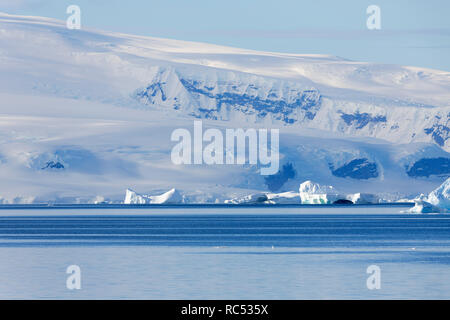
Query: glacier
{"type": "Point", "coordinates": [86, 113]}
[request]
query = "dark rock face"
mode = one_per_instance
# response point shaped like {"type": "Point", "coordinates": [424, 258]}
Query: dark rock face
{"type": "Point", "coordinates": [293, 106]}
{"type": "Point", "coordinates": [439, 132]}
{"type": "Point", "coordinates": [343, 201]}
{"type": "Point", "coordinates": [307, 101]}
{"type": "Point", "coordinates": [360, 120]}
{"type": "Point", "coordinates": [430, 166]}
{"type": "Point", "coordinates": [53, 165]}
{"type": "Point", "coordinates": [357, 169]}
{"type": "Point", "coordinates": [152, 90]}
{"type": "Point", "coordinates": [276, 181]}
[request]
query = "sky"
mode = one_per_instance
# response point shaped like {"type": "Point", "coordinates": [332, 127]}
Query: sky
{"type": "Point", "coordinates": [413, 32]}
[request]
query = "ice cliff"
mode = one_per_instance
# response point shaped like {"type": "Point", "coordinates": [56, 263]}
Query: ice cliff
{"type": "Point", "coordinates": [313, 193]}
{"type": "Point", "coordinates": [170, 197]}
{"type": "Point", "coordinates": [438, 201]}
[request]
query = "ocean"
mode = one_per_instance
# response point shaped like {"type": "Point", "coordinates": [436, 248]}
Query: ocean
{"type": "Point", "coordinates": [223, 252]}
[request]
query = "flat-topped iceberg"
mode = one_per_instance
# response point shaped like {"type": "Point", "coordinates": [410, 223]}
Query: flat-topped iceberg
{"type": "Point", "coordinates": [288, 197]}
{"type": "Point", "coordinates": [438, 201]}
{"type": "Point", "coordinates": [250, 199]}
{"type": "Point", "coordinates": [170, 197]}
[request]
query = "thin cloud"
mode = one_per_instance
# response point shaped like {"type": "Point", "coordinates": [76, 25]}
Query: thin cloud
{"type": "Point", "coordinates": [333, 34]}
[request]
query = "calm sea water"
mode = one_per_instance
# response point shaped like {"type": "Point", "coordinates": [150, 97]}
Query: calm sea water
{"type": "Point", "coordinates": [223, 253]}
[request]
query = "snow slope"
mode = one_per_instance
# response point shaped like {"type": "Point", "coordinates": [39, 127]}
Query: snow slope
{"type": "Point", "coordinates": [85, 114]}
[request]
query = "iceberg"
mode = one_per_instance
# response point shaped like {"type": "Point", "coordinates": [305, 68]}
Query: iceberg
{"type": "Point", "coordinates": [250, 199]}
{"type": "Point", "coordinates": [314, 193]}
{"type": "Point", "coordinates": [422, 206]}
{"type": "Point", "coordinates": [18, 200]}
{"type": "Point", "coordinates": [170, 197]}
{"type": "Point", "coordinates": [440, 197]}
{"type": "Point", "coordinates": [289, 197]}
{"type": "Point", "coordinates": [438, 201]}
{"type": "Point", "coordinates": [363, 198]}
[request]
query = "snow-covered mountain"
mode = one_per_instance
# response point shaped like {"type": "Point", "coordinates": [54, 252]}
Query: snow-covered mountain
{"type": "Point", "coordinates": [230, 95]}
{"type": "Point", "coordinates": [85, 114]}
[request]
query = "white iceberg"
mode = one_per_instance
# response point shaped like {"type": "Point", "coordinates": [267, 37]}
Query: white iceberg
{"type": "Point", "coordinates": [18, 200]}
{"type": "Point", "coordinates": [250, 199]}
{"type": "Point", "coordinates": [314, 193]}
{"type": "Point", "coordinates": [363, 198]}
{"type": "Point", "coordinates": [441, 196]}
{"type": "Point", "coordinates": [289, 197]}
{"type": "Point", "coordinates": [438, 201]}
{"type": "Point", "coordinates": [422, 206]}
{"type": "Point", "coordinates": [170, 197]}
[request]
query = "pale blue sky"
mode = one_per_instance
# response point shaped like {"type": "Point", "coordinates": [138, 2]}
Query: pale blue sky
{"type": "Point", "coordinates": [414, 32]}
